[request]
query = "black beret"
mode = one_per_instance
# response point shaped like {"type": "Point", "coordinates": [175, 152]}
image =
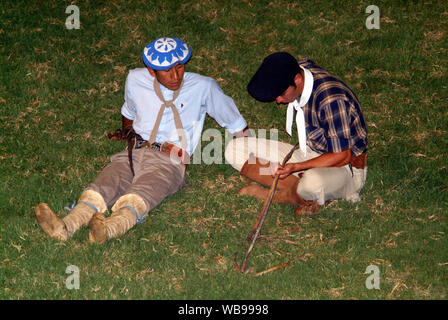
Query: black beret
{"type": "Point", "coordinates": [273, 77]}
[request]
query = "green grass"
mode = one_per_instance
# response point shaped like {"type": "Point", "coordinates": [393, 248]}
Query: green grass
{"type": "Point", "coordinates": [61, 91]}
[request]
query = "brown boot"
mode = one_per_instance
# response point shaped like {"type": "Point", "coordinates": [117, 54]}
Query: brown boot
{"type": "Point", "coordinates": [103, 229]}
{"type": "Point", "coordinates": [97, 226]}
{"type": "Point", "coordinates": [50, 223]}
{"type": "Point", "coordinates": [89, 202]}
{"type": "Point", "coordinates": [123, 218]}
{"type": "Point", "coordinates": [255, 170]}
{"type": "Point", "coordinates": [62, 229]}
{"type": "Point", "coordinates": [287, 196]}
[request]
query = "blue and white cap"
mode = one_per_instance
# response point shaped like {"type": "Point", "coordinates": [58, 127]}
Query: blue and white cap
{"type": "Point", "coordinates": [163, 53]}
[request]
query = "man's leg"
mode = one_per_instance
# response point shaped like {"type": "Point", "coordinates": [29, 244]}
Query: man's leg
{"type": "Point", "coordinates": [116, 178]}
{"type": "Point", "coordinates": [129, 210]}
{"type": "Point", "coordinates": [239, 150]}
{"type": "Point", "coordinates": [156, 178]}
{"type": "Point", "coordinates": [95, 198]}
{"type": "Point", "coordinates": [253, 157]}
{"type": "Point", "coordinates": [323, 184]}
{"type": "Point", "coordinates": [316, 185]}
{"type": "Point", "coordinates": [259, 170]}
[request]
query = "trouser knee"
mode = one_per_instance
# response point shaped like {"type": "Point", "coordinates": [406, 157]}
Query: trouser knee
{"type": "Point", "coordinates": [312, 187]}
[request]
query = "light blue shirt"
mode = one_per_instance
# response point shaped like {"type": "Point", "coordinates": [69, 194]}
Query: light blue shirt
{"type": "Point", "coordinates": [198, 96]}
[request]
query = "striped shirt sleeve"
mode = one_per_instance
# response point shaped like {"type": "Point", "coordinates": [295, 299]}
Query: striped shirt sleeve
{"type": "Point", "coordinates": [335, 120]}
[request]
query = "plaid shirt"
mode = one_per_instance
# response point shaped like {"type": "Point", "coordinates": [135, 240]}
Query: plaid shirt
{"type": "Point", "coordinates": [333, 116]}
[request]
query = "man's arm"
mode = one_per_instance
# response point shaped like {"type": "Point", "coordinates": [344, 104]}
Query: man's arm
{"type": "Point", "coordinates": [331, 159]}
{"type": "Point", "coordinates": [223, 109]}
{"type": "Point", "coordinates": [335, 120]}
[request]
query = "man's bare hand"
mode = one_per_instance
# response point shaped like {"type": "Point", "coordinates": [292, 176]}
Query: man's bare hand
{"type": "Point", "coordinates": [286, 170]}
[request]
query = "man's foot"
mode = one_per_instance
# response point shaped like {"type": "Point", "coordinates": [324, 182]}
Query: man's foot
{"type": "Point", "coordinates": [307, 209]}
{"type": "Point", "coordinates": [50, 223]}
{"type": "Point", "coordinates": [97, 227]}
{"type": "Point", "coordinates": [254, 191]}
{"type": "Point", "coordinates": [285, 196]}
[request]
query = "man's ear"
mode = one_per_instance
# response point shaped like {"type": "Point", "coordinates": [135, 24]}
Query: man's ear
{"type": "Point", "coordinates": [151, 71]}
{"type": "Point", "coordinates": [298, 80]}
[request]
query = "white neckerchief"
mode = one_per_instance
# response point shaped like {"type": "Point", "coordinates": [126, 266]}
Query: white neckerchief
{"type": "Point", "coordinates": [298, 106]}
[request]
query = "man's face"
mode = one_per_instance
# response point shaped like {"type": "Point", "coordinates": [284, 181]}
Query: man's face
{"type": "Point", "coordinates": [288, 96]}
{"type": "Point", "coordinates": [292, 92]}
{"type": "Point", "coordinates": [170, 78]}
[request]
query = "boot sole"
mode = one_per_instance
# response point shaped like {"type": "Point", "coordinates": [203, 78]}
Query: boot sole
{"type": "Point", "coordinates": [47, 220]}
{"type": "Point", "coordinates": [97, 227]}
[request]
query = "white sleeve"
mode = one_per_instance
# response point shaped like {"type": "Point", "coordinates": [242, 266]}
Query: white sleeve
{"type": "Point", "coordinates": [128, 109]}
{"type": "Point", "coordinates": [222, 108]}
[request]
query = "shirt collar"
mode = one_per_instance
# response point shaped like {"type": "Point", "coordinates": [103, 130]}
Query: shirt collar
{"type": "Point", "coordinates": [307, 87]}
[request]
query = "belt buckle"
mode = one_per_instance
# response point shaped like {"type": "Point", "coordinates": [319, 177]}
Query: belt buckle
{"type": "Point", "coordinates": [155, 146]}
{"type": "Point", "coordinates": [138, 143]}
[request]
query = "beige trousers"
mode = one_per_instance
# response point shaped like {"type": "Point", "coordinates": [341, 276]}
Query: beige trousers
{"type": "Point", "coordinates": [156, 177]}
{"type": "Point", "coordinates": [319, 184]}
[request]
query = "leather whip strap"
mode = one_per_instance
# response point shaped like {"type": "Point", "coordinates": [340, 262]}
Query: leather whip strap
{"type": "Point", "coordinates": [130, 137]}
{"type": "Point", "coordinates": [131, 142]}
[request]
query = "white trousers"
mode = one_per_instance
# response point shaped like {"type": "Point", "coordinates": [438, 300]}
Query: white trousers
{"type": "Point", "coordinates": [319, 184]}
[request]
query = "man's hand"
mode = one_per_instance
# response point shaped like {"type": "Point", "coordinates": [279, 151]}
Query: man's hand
{"type": "Point", "coordinates": [329, 159]}
{"type": "Point", "coordinates": [286, 170]}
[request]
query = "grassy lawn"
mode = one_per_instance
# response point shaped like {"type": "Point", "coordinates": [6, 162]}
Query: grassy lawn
{"type": "Point", "coordinates": [61, 92]}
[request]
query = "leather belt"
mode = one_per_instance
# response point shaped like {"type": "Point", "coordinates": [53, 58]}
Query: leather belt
{"type": "Point", "coordinates": [359, 162]}
{"type": "Point", "coordinates": [177, 154]}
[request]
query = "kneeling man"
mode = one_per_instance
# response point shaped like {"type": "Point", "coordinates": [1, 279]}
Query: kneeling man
{"type": "Point", "coordinates": [331, 161]}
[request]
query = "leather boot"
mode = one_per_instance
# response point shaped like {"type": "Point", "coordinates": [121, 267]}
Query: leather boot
{"type": "Point", "coordinates": [287, 196]}
{"type": "Point", "coordinates": [50, 223]}
{"type": "Point", "coordinates": [128, 211]}
{"type": "Point", "coordinates": [253, 169]}
{"type": "Point", "coordinates": [61, 229]}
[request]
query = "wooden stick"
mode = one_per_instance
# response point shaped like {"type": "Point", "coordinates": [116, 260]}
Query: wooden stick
{"type": "Point", "coordinates": [253, 235]}
{"type": "Point", "coordinates": [263, 214]}
{"type": "Point", "coordinates": [273, 268]}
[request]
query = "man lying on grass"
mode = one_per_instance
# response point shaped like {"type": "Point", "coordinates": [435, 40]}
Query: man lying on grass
{"type": "Point", "coordinates": [331, 162]}
{"type": "Point", "coordinates": [164, 109]}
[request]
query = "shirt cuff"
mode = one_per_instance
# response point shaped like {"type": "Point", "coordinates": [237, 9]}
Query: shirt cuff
{"type": "Point", "coordinates": [127, 114]}
{"type": "Point", "coordinates": [238, 125]}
